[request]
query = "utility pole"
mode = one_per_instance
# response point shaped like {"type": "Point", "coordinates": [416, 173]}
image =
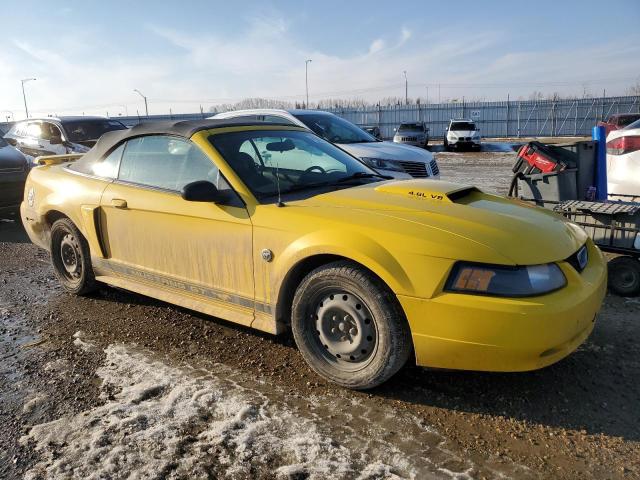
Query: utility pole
{"type": "Point", "coordinates": [24, 96]}
{"type": "Point", "coordinates": [306, 78]}
{"type": "Point", "coordinates": [146, 107]}
{"type": "Point", "coordinates": [406, 88]}
{"type": "Point", "coordinates": [438, 93]}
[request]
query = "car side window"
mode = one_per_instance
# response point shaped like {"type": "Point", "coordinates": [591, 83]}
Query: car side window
{"type": "Point", "coordinates": [49, 130]}
{"type": "Point", "coordinates": [166, 162]}
{"type": "Point", "coordinates": [109, 165]}
{"type": "Point", "coordinates": [34, 130]}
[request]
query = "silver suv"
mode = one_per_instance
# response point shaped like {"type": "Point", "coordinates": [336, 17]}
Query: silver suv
{"type": "Point", "coordinates": [412, 133]}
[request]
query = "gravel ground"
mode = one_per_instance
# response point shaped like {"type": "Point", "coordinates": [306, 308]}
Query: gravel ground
{"type": "Point", "coordinates": [117, 385]}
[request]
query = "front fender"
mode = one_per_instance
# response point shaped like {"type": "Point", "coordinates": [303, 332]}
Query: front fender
{"type": "Point", "coordinates": [357, 247]}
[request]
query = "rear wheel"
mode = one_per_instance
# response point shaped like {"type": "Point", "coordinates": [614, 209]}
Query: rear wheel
{"type": "Point", "coordinates": [624, 276]}
{"type": "Point", "coordinates": [349, 326]}
{"type": "Point", "coordinates": [71, 258]}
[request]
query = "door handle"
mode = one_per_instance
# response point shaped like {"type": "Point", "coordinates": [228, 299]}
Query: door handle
{"type": "Point", "coordinates": [118, 203]}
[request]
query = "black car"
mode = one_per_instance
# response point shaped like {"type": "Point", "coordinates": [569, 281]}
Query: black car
{"type": "Point", "coordinates": [372, 130]}
{"type": "Point", "coordinates": [14, 168]}
{"type": "Point", "coordinates": [59, 135]}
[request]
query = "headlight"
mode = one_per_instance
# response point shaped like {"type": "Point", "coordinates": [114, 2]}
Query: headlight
{"type": "Point", "coordinates": [381, 163]}
{"type": "Point", "coordinates": [503, 281]}
{"type": "Point", "coordinates": [454, 136]}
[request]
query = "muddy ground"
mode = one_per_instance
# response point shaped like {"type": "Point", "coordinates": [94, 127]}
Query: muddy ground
{"type": "Point", "coordinates": [117, 385]}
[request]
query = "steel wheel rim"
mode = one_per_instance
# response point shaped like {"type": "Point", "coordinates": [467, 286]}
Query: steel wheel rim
{"type": "Point", "coordinates": [345, 333]}
{"type": "Point", "coordinates": [70, 257]}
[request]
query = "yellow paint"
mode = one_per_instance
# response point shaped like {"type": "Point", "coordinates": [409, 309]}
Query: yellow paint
{"type": "Point", "coordinates": [208, 257]}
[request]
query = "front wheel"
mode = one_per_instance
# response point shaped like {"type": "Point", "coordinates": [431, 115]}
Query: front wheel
{"type": "Point", "coordinates": [624, 276]}
{"type": "Point", "coordinates": [349, 326]}
{"type": "Point", "coordinates": [71, 258]}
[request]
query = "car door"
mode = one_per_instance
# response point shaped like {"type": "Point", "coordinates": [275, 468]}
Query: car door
{"type": "Point", "coordinates": [152, 235]}
{"type": "Point", "coordinates": [48, 131]}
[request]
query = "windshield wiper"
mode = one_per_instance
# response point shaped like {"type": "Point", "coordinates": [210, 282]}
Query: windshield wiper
{"type": "Point", "coordinates": [359, 175]}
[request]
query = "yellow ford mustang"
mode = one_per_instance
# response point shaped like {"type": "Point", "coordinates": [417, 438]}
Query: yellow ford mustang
{"type": "Point", "coordinates": [272, 227]}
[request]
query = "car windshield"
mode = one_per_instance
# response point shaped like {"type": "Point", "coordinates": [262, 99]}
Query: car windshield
{"type": "Point", "coordinates": [462, 126]}
{"type": "Point", "coordinates": [633, 125]}
{"type": "Point", "coordinates": [626, 120]}
{"type": "Point", "coordinates": [287, 161]}
{"type": "Point", "coordinates": [84, 130]}
{"type": "Point", "coordinates": [410, 127]}
{"type": "Point", "coordinates": [335, 129]}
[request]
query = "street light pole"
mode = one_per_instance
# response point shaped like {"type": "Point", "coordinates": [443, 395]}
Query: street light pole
{"type": "Point", "coordinates": [406, 88]}
{"type": "Point", "coordinates": [24, 96]}
{"type": "Point", "coordinates": [306, 78]}
{"type": "Point", "coordinates": [146, 107]}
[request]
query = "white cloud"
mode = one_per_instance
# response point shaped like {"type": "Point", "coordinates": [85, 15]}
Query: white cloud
{"type": "Point", "coordinates": [376, 45]}
{"type": "Point", "coordinates": [266, 59]}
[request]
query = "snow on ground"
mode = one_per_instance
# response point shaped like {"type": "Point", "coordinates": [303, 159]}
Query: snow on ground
{"type": "Point", "coordinates": [160, 420]}
{"type": "Point", "coordinates": [167, 421]}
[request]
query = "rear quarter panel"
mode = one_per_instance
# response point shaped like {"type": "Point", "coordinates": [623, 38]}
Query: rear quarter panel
{"type": "Point", "coordinates": [51, 191]}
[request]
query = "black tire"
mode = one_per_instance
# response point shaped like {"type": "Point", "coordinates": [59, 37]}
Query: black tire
{"type": "Point", "coordinates": [624, 276]}
{"type": "Point", "coordinates": [367, 344]}
{"type": "Point", "coordinates": [71, 258]}
{"type": "Point", "coordinates": [446, 144]}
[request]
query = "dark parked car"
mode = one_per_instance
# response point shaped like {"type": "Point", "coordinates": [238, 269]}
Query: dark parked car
{"type": "Point", "coordinates": [59, 135]}
{"type": "Point", "coordinates": [372, 130]}
{"type": "Point", "coordinates": [14, 168]}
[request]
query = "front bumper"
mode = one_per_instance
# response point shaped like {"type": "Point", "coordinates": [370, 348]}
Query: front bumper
{"type": "Point", "coordinates": [465, 143]}
{"type": "Point", "coordinates": [472, 332]}
{"type": "Point", "coordinates": [394, 173]}
{"type": "Point", "coordinates": [11, 191]}
{"type": "Point", "coordinates": [415, 143]}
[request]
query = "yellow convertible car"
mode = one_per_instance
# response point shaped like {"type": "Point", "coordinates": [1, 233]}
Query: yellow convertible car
{"type": "Point", "coordinates": [272, 227]}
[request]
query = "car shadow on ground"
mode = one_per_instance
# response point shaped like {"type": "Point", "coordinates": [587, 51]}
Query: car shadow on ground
{"type": "Point", "coordinates": [12, 231]}
{"type": "Point", "coordinates": [591, 390]}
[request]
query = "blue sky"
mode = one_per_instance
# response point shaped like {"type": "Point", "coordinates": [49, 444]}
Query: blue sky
{"type": "Point", "coordinates": [89, 56]}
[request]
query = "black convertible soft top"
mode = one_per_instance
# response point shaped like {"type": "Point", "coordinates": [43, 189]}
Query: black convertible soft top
{"type": "Point", "coordinates": [185, 129]}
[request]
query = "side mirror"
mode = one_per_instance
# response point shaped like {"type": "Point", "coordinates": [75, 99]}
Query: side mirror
{"type": "Point", "coordinates": [201, 191]}
{"type": "Point", "coordinates": [54, 140]}
{"type": "Point", "coordinates": [395, 129]}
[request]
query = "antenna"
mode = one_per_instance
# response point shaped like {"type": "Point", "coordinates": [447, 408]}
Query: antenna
{"type": "Point", "coordinates": [279, 204]}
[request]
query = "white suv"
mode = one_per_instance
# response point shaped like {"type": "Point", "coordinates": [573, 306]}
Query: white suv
{"type": "Point", "coordinates": [392, 159]}
{"type": "Point", "coordinates": [462, 134]}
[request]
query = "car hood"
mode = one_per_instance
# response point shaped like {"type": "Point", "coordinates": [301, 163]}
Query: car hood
{"type": "Point", "coordinates": [11, 158]}
{"type": "Point", "coordinates": [410, 133]}
{"type": "Point", "coordinates": [453, 221]}
{"type": "Point", "coordinates": [387, 151]}
{"type": "Point", "coordinates": [463, 133]}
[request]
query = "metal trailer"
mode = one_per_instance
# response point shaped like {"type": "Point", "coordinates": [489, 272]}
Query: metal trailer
{"type": "Point", "coordinates": [614, 226]}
